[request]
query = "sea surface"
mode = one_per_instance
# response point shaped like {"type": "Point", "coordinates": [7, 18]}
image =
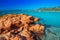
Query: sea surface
{"type": "Point", "coordinates": [51, 21]}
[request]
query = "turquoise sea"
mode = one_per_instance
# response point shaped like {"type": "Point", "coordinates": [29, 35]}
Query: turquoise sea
{"type": "Point", "coordinates": [48, 18]}
{"type": "Point", "coordinates": [51, 20]}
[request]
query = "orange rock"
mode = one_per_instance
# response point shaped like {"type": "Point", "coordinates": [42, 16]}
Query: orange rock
{"type": "Point", "coordinates": [36, 19]}
{"type": "Point", "coordinates": [7, 24]}
{"type": "Point", "coordinates": [25, 33]}
{"type": "Point", "coordinates": [20, 25]}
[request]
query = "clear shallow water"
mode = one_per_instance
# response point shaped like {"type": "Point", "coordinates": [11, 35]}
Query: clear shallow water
{"type": "Point", "coordinates": [48, 18]}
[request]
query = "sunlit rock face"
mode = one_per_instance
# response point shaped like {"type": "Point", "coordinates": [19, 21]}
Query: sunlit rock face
{"type": "Point", "coordinates": [20, 27]}
{"type": "Point", "coordinates": [52, 33]}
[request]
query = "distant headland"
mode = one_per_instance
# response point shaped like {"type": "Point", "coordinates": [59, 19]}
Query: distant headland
{"type": "Point", "coordinates": [53, 9]}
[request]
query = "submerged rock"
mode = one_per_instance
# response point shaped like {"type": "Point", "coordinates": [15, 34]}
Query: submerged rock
{"type": "Point", "coordinates": [52, 33]}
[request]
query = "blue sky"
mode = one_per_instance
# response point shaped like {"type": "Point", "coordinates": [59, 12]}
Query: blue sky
{"type": "Point", "coordinates": [27, 4]}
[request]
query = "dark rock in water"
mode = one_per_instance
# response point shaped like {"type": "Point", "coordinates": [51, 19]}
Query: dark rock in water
{"type": "Point", "coordinates": [52, 33]}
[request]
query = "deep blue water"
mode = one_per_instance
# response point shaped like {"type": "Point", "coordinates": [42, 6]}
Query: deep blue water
{"type": "Point", "coordinates": [47, 18]}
